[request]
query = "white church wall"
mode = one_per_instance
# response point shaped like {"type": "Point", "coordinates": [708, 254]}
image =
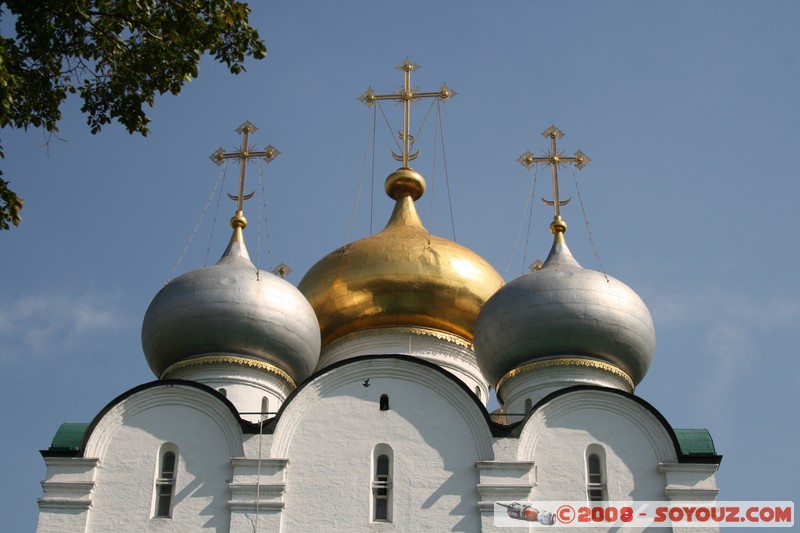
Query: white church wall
{"type": "Point", "coordinates": [451, 353]}
{"type": "Point", "coordinates": [690, 481]}
{"type": "Point", "coordinates": [257, 494]}
{"type": "Point", "coordinates": [526, 389]}
{"type": "Point", "coordinates": [67, 487]}
{"type": "Point", "coordinates": [128, 441]}
{"type": "Point", "coordinates": [248, 388]}
{"type": "Point", "coordinates": [330, 431]}
{"type": "Point", "coordinates": [632, 440]}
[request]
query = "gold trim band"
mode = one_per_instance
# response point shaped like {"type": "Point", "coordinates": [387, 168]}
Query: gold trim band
{"type": "Point", "coordinates": [452, 338]}
{"type": "Point", "coordinates": [244, 361]}
{"type": "Point", "coordinates": [441, 335]}
{"type": "Point", "coordinates": [566, 361]}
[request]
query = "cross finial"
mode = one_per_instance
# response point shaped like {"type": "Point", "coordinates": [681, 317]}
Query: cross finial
{"type": "Point", "coordinates": [554, 158]}
{"type": "Point", "coordinates": [244, 154]}
{"type": "Point", "coordinates": [406, 95]}
{"type": "Point", "coordinates": [282, 270]}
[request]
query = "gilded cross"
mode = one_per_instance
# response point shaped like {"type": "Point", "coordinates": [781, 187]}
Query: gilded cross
{"type": "Point", "coordinates": [282, 270]}
{"type": "Point", "coordinates": [406, 95]}
{"type": "Point", "coordinates": [554, 158]}
{"type": "Point", "coordinates": [245, 154]}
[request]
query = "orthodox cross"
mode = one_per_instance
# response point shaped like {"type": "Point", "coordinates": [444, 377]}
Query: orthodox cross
{"type": "Point", "coordinates": [244, 154]}
{"type": "Point", "coordinates": [282, 270]}
{"type": "Point", "coordinates": [554, 158]}
{"type": "Point", "coordinates": [406, 95]}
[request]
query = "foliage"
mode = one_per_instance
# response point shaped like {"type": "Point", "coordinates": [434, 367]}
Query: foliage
{"type": "Point", "coordinates": [117, 55]}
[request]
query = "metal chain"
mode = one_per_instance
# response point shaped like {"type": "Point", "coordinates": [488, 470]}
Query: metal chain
{"type": "Point", "coordinates": [262, 204]}
{"type": "Point", "coordinates": [370, 140]}
{"type": "Point", "coordinates": [221, 178]}
{"type": "Point", "coordinates": [528, 206]}
{"type": "Point", "coordinates": [446, 172]}
{"type": "Point", "coordinates": [391, 131]}
{"type": "Point", "coordinates": [216, 213]}
{"type": "Point", "coordinates": [588, 230]}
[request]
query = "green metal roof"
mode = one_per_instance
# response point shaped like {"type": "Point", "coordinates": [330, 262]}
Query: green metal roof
{"type": "Point", "coordinates": [695, 442]}
{"type": "Point", "coordinates": [69, 436]}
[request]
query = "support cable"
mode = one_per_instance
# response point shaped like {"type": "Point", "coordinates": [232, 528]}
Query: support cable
{"type": "Point", "coordinates": [446, 172]}
{"type": "Point", "coordinates": [528, 234]}
{"type": "Point", "coordinates": [528, 206]}
{"type": "Point", "coordinates": [433, 178]}
{"type": "Point", "coordinates": [422, 124]}
{"type": "Point", "coordinates": [388, 125]}
{"type": "Point", "coordinates": [370, 140]}
{"type": "Point", "coordinates": [588, 230]}
{"type": "Point", "coordinates": [372, 175]}
{"type": "Point", "coordinates": [258, 473]}
{"type": "Point", "coordinates": [216, 213]}
{"type": "Point", "coordinates": [262, 204]}
{"type": "Point", "coordinates": [220, 179]}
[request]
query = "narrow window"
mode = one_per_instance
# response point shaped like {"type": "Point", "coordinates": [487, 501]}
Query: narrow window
{"type": "Point", "coordinates": [382, 484]}
{"type": "Point", "coordinates": [264, 407]}
{"type": "Point", "coordinates": [384, 402]}
{"type": "Point", "coordinates": [595, 473]}
{"type": "Point", "coordinates": [223, 392]}
{"type": "Point", "coordinates": [528, 405]}
{"type": "Point", "coordinates": [478, 392]}
{"type": "Point", "coordinates": [165, 481]}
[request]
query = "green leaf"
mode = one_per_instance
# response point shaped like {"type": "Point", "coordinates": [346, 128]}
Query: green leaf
{"type": "Point", "coordinates": [117, 55]}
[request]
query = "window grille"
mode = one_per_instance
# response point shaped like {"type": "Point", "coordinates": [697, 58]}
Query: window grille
{"type": "Point", "coordinates": [165, 484]}
{"type": "Point", "coordinates": [382, 486]}
{"type": "Point", "coordinates": [595, 474]}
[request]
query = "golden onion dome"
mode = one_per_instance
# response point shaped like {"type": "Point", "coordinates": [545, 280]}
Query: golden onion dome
{"type": "Point", "coordinates": [402, 276]}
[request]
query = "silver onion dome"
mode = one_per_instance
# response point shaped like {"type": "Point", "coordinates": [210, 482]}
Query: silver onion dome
{"type": "Point", "coordinates": [564, 310]}
{"type": "Point", "coordinates": [232, 308]}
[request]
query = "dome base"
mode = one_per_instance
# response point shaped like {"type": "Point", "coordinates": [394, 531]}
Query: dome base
{"type": "Point", "coordinates": [450, 352]}
{"type": "Point", "coordinates": [524, 386]}
{"type": "Point", "coordinates": [254, 387]}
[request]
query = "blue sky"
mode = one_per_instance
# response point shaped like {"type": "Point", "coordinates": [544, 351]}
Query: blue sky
{"type": "Point", "coordinates": [689, 111]}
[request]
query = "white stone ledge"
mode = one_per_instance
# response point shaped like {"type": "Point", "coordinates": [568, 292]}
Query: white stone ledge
{"type": "Point", "coordinates": [265, 490]}
{"type": "Point", "coordinates": [248, 462]}
{"type": "Point", "coordinates": [701, 495]}
{"type": "Point", "coordinates": [491, 492]}
{"type": "Point", "coordinates": [63, 503]}
{"type": "Point", "coordinates": [267, 506]}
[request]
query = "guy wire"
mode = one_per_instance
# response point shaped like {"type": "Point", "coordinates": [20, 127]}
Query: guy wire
{"type": "Point", "coordinates": [588, 230]}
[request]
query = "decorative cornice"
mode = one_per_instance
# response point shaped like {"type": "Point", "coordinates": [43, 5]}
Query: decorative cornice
{"type": "Point", "coordinates": [688, 467]}
{"type": "Point", "coordinates": [441, 335]}
{"type": "Point", "coordinates": [230, 359]}
{"type": "Point", "coordinates": [407, 340]}
{"type": "Point", "coordinates": [63, 503]}
{"type": "Point", "coordinates": [566, 361]}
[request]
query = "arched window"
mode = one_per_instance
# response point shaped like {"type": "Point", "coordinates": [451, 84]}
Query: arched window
{"type": "Point", "coordinates": [165, 480]}
{"type": "Point", "coordinates": [223, 391]}
{"type": "Point", "coordinates": [478, 392]}
{"type": "Point", "coordinates": [528, 405]}
{"type": "Point", "coordinates": [264, 408]}
{"type": "Point", "coordinates": [384, 402]}
{"type": "Point", "coordinates": [596, 473]}
{"type": "Point", "coordinates": [382, 483]}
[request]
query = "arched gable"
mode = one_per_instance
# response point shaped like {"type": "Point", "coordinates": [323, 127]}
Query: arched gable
{"type": "Point", "coordinates": [395, 367]}
{"type": "Point", "coordinates": [627, 437]}
{"type": "Point", "coordinates": [163, 395]}
{"type": "Point", "coordinates": [638, 412]}
{"type": "Point", "coordinates": [330, 428]}
{"type": "Point", "coordinates": [164, 453]}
